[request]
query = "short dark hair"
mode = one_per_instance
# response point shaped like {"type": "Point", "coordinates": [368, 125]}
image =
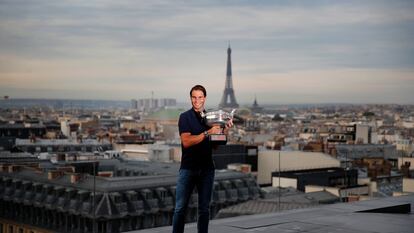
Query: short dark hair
{"type": "Point", "coordinates": [199, 88]}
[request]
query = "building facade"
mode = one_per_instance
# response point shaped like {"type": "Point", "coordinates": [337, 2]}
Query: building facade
{"type": "Point", "coordinates": [134, 196]}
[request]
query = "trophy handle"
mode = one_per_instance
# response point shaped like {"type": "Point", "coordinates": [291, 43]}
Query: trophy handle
{"type": "Point", "coordinates": [232, 112]}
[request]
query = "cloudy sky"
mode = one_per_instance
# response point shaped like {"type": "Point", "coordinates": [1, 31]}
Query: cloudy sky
{"type": "Point", "coordinates": [283, 51]}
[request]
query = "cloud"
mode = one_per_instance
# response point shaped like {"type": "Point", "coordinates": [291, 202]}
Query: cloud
{"type": "Point", "coordinates": [128, 48]}
{"type": "Point", "coordinates": [331, 86]}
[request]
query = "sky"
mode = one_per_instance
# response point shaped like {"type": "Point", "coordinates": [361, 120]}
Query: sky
{"type": "Point", "coordinates": [283, 52]}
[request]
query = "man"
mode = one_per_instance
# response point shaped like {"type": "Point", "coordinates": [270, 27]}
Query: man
{"type": "Point", "coordinates": [197, 167]}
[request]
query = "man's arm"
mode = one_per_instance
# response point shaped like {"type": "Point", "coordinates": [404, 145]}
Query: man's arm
{"type": "Point", "coordinates": [190, 140]}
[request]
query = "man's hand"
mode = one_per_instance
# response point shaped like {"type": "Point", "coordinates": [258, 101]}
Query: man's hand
{"type": "Point", "coordinates": [214, 130]}
{"type": "Point", "coordinates": [229, 124]}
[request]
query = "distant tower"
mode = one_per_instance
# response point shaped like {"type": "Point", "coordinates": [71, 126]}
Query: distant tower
{"type": "Point", "coordinates": [255, 108]}
{"type": "Point", "coordinates": [228, 100]}
{"type": "Point", "coordinates": [134, 104]}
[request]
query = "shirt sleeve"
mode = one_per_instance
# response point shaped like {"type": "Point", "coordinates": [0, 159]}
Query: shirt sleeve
{"type": "Point", "coordinates": [183, 124]}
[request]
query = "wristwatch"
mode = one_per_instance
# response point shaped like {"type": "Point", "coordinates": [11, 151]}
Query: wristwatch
{"type": "Point", "coordinates": [205, 134]}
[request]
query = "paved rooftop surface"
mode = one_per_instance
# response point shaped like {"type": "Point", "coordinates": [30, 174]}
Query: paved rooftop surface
{"type": "Point", "coordinates": [357, 217]}
{"type": "Point", "coordinates": [288, 201]}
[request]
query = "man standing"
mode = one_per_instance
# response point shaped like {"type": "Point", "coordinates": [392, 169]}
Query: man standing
{"type": "Point", "coordinates": [197, 166]}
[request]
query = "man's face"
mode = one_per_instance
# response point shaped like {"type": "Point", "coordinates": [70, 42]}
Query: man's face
{"type": "Point", "coordinates": [197, 100]}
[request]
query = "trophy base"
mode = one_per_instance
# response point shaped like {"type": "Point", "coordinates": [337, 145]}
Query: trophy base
{"type": "Point", "coordinates": [220, 139]}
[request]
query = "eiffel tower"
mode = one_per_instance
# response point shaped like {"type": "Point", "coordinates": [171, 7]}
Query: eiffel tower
{"type": "Point", "coordinates": [228, 100]}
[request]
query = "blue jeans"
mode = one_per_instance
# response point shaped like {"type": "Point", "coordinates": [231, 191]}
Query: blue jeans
{"type": "Point", "coordinates": [188, 180]}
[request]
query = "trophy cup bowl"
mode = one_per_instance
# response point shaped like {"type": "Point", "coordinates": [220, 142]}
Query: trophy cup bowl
{"type": "Point", "coordinates": [220, 118]}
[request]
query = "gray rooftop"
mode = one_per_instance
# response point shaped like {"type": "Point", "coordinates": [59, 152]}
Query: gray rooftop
{"type": "Point", "coordinates": [356, 217]}
{"type": "Point", "coordinates": [359, 151]}
{"type": "Point", "coordinates": [157, 174]}
{"type": "Point", "coordinates": [19, 126]}
{"type": "Point", "coordinates": [58, 142]}
{"type": "Point", "coordinates": [117, 199]}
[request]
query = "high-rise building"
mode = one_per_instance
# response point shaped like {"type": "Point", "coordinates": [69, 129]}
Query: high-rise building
{"type": "Point", "coordinates": [151, 103]}
{"type": "Point", "coordinates": [134, 104]}
{"type": "Point", "coordinates": [229, 99]}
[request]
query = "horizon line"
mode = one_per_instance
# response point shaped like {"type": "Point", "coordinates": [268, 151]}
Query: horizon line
{"type": "Point", "coordinates": [243, 104]}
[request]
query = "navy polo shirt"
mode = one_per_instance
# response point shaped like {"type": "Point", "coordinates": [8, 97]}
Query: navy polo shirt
{"type": "Point", "coordinates": [198, 156]}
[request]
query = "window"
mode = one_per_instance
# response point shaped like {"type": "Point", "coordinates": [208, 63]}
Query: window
{"type": "Point", "coordinates": [163, 194]}
{"type": "Point", "coordinates": [251, 152]}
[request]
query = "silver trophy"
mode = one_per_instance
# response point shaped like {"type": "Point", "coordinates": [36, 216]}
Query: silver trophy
{"type": "Point", "coordinates": [219, 118]}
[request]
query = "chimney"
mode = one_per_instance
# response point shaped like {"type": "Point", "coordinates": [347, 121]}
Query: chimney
{"type": "Point", "coordinates": [32, 138]}
{"type": "Point", "coordinates": [106, 174]}
{"type": "Point", "coordinates": [4, 168]}
{"type": "Point", "coordinates": [75, 177]}
{"type": "Point", "coordinates": [51, 175]}
{"type": "Point", "coordinates": [67, 169]}
{"type": "Point", "coordinates": [14, 168]}
{"type": "Point", "coordinates": [246, 168]}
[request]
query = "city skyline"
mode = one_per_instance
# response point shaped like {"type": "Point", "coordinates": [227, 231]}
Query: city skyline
{"type": "Point", "coordinates": [284, 53]}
